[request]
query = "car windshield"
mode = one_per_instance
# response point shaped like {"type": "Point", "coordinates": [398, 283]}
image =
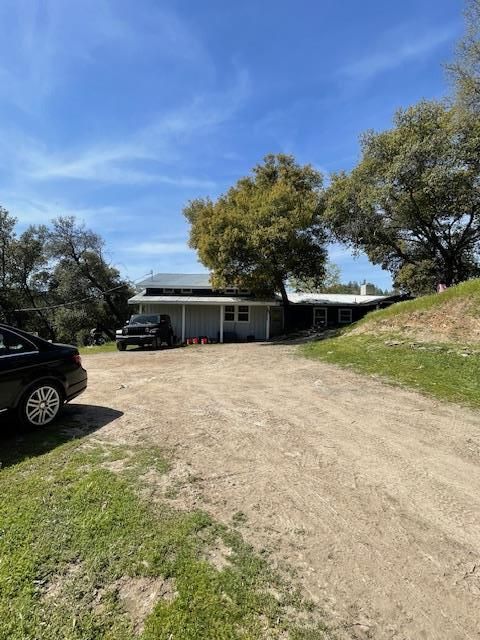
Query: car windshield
{"type": "Point", "coordinates": [144, 319]}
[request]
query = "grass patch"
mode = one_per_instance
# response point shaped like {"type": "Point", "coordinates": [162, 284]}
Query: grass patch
{"type": "Point", "coordinates": [108, 347]}
{"type": "Point", "coordinates": [437, 369]}
{"type": "Point", "coordinates": [71, 530]}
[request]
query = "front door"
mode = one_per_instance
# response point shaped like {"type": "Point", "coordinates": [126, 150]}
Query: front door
{"type": "Point", "coordinates": [276, 321]}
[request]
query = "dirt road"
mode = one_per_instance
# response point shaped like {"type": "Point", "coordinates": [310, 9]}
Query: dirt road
{"type": "Point", "coordinates": [370, 492]}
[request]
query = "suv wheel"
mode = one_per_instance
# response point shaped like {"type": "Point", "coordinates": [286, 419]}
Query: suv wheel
{"type": "Point", "coordinates": [41, 404]}
{"type": "Point", "coordinates": [121, 346]}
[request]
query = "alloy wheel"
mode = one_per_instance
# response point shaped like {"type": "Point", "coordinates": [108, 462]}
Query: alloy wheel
{"type": "Point", "coordinates": [42, 405]}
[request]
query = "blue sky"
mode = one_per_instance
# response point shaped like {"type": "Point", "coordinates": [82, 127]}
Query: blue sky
{"type": "Point", "coordinates": [120, 112]}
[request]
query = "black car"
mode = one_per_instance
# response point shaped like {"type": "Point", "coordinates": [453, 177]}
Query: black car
{"type": "Point", "coordinates": [37, 377]}
{"type": "Point", "coordinates": [146, 329]}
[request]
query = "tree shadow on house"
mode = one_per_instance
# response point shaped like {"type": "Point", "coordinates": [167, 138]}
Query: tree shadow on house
{"type": "Point", "coordinates": [76, 422]}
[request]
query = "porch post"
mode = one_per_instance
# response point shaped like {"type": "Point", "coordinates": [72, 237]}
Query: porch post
{"type": "Point", "coordinates": [183, 323]}
{"type": "Point", "coordinates": [221, 322]}
{"type": "Point", "coordinates": [267, 331]}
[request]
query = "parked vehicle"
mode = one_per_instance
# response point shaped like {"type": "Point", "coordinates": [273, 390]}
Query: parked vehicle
{"type": "Point", "coordinates": [37, 377]}
{"type": "Point", "coordinates": [146, 329]}
{"type": "Point", "coordinates": [95, 338]}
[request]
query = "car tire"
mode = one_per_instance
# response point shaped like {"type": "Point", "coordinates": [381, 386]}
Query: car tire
{"type": "Point", "coordinates": [121, 346]}
{"type": "Point", "coordinates": [41, 404]}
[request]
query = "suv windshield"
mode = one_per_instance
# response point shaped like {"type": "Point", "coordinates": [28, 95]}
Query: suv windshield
{"type": "Point", "coordinates": [144, 319]}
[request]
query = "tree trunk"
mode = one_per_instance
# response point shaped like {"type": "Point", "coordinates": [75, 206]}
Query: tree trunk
{"type": "Point", "coordinates": [286, 304]}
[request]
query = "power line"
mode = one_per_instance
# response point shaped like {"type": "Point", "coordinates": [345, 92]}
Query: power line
{"type": "Point", "coordinates": [81, 300]}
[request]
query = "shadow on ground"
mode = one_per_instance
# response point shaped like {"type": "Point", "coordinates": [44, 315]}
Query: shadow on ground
{"type": "Point", "coordinates": [303, 337]}
{"type": "Point", "coordinates": [76, 422]}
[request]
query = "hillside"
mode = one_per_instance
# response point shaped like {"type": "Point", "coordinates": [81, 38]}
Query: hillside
{"type": "Point", "coordinates": [431, 344]}
{"type": "Point", "coordinates": [453, 316]}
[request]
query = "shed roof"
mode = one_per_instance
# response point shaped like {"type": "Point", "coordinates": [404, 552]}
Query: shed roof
{"type": "Point", "coordinates": [177, 280]}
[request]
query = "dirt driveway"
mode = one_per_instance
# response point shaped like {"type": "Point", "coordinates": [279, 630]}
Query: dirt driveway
{"type": "Point", "coordinates": [371, 493]}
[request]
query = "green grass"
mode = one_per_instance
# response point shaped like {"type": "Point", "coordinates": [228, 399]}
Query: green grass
{"type": "Point", "coordinates": [439, 370]}
{"type": "Point", "coordinates": [70, 529]}
{"type": "Point", "coordinates": [468, 290]}
{"type": "Point", "coordinates": [108, 347]}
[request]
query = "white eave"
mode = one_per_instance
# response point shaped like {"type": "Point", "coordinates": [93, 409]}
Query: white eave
{"type": "Point", "coordinates": [141, 298]}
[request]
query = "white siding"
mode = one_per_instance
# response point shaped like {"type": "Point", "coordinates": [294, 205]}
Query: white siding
{"type": "Point", "coordinates": [256, 327]}
{"type": "Point", "coordinates": [204, 320]}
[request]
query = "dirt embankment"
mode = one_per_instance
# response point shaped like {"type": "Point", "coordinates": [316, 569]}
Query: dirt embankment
{"type": "Point", "coordinates": [370, 492]}
{"type": "Point", "coordinates": [456, 320]}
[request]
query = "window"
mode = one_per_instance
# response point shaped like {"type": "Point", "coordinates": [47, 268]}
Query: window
{"type": "Point", "coordinates": [344, 316]}
{"type": "Point", "coordinates": [186, 291]}
{"type": "Point", "coordinates": [168, 291]}
{"type": "Point", "coordinates": [11, 344]}
{"type": "Point", "coordinates": [243, 314]}
{"type": "Point", "coordinates": [244, 292]}
{"type": "Point", "coordinates": [236, 314]}
{"type": "Point", "coordinates": [229, 314]}
{"type": "Point", "coordinates": [319, 316]}
{"type": "Point", "coordinates": [231, 291]}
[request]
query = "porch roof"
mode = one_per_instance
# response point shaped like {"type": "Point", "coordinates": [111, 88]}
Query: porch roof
{"type": "Point", "coordinates": [141, 298]}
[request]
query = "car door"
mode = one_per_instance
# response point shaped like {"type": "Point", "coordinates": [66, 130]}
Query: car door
{"type": "Point", "coordinates": [17, 356]}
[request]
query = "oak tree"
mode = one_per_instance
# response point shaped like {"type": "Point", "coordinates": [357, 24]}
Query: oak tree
{"type": "Point", "coordinates": [412, 203]}
{"type": "Point", "coordinates": [267, 228]}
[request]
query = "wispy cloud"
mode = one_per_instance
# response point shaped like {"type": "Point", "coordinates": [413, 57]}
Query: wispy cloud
{"type": "Point", "coordinates": [41, 41]}
{"type": "Point", "coordinates": [401, 46]}
{"type": "Point", "coordinates": [136, 158]}
{"type": "Point", "coordinates": [36, 210]}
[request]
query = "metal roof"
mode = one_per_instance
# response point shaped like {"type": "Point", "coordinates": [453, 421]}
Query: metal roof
{"type": "Point", "coordinates": [141, 298]}
{"type": "Point", "coordinates": [332, 298]}
{"type": "Point", "coordinates": [178, 280]}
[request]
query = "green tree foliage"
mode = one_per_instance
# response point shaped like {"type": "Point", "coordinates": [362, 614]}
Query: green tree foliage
{"type": "Point", "coordinates": [466, 69]}
{"type": "Point", "coordinates": [44, 268]}
{"type": "Point", "coordinates": [413, 201]}
{"type": "Point", "coordinates": [265, 230]}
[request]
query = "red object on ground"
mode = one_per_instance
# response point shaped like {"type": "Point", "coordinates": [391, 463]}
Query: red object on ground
{"type": "Point", "coordinates": [195, 340]}
{"type": "Point", "coordinates": [188, 341]}
{"type": "Point", "coordinates": [204, 340]}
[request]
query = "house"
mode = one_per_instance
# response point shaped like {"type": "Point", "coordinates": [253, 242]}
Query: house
{"type": "Point", "coordinates": [231, 314]}
{"type": "Point", "coordinates": [197, 309]}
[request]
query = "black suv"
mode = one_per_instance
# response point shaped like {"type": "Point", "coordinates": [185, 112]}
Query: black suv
{"type": "Point", "coordinates": [37, 377]}
{"type": "Point", "coordinates": [146, 329]}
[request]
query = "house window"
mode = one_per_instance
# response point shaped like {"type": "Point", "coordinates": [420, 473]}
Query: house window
{"type": "Point", "coordinates": [344, 316]}
{"type": "Point", "coordinates": [186, 291]}
{"type": "Point", "coordinates": [319, 316]}
{"type": "Point", "coordinates": [244, 292]}
{"type": "Point", "coordinates": [231, 291]}
{"type": "Point", "coordinates": [236, 314]}
{"type": "Point", "coordinates": [168, 291]}
{"type": "Point", "coordinates": [243, 314]}
{"type": "Point", "coordinates": [229, 313]}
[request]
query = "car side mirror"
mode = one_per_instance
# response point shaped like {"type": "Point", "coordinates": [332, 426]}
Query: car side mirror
{"type": "Point", "coordinates": [127, 321]}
